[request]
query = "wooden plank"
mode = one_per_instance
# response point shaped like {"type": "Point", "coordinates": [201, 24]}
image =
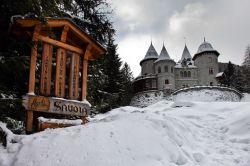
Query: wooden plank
{"type": "Point", "coordinates": [60, 44]}
{"type": "Point", "coordinates": [45, 125]}
{"type": "Point", "coordinates": [33, 58]}
{"type": "Point", "coordinates": [61, 66]}
{"type": "Point", "coordinates": [56, 106]}
{"type": "Point", "coordinates": [74, 77]}
{"type": "Point", "coordinates": [45, 82]}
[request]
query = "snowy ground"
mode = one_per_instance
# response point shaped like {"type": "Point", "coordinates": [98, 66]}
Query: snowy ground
{"type": "Point", "coordinates": [163, 134]}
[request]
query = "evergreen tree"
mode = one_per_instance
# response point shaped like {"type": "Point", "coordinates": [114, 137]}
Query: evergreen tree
{"type": "Point", "coordinates": [246, 61]}
{"type": "Point", "coordinates": [246, 79]}
{"type": "Point", "coordinates": [112, 67]}
{"type": "Point", "coordinates": [230, 74]}
{"type": "Point", "coordinates": [127, 89]}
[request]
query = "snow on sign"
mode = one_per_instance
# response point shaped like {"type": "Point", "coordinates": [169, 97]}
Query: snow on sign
{"type": "Point", "coordinates": [56, 105]}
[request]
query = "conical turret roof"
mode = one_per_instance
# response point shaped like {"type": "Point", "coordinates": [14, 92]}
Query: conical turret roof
{"type": "Point", "coordinates": [151, 53]}
{"type": "Point", "coordinates": [205, 47]}
{"type": "Point", "coordinates": [186, 54]}
{"type": "Point", "coordinates": [163, 55]}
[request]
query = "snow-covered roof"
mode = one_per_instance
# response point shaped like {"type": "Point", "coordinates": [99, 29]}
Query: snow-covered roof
{"type": "Point", "coordinates": [219, 74]}
{"type": "Point", "coordinates": [151, 53]}
{"type": "Point", "coordinates": [164, 55]}
{"type": "Point", "coordinates": [179, 65]}
{"type": "Point", "coordinates": [205, 47]}
{"type": "Point", "coordinates": [186, 54]}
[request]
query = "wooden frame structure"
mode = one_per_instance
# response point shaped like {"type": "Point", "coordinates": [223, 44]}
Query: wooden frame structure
{"type": "Point", "coordinates": [59, 36]}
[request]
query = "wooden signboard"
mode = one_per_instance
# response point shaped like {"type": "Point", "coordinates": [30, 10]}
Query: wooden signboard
{"type": "Point", "coordinates": [46, 70]}
{"type": "Point", "coordinates": [64, 36]}
{"type": "Point", "coordinates": [38, 103]}
{"type": "Point", "coordinates": [56, 105]}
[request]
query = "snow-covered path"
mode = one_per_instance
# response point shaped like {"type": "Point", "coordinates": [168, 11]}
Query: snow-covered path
{"type": "Point", "coordinates": [219, 145]}
{"type": "Point", "coordinates": [163, 134]}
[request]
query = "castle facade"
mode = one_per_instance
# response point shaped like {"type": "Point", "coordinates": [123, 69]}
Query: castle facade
{"type": "Point", "coordinates": [160, 72]}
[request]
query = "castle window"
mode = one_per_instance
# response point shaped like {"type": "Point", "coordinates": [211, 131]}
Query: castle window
{"type": "Point", "coordinates": [210, 59]}
{"type": "Point", "coordinates": [166, 82]}
{"type": "Point", "coordinates": [166, 68]}
{"type": "Point", "coordinates": [185, 73]}
{"type": "Point", "coordinates": [159, 69]}
{"type": "Point", "coordinates": [181, 74]}
{"type": "Point", "coordinates": [211, 83]}
{"type": "Point", "coordinates": [172, 69]}
{"type": "Point", "coordinates": [189, 74]}
{"type": "Point", "coordinates": [211, 71]}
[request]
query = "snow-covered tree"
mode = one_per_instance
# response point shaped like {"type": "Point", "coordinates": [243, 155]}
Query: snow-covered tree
{"type": "Point", "coordinates": [246, 61]}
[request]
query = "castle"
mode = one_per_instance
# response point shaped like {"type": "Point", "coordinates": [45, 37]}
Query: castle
{"type": "Point", "coordinates": [160, 72]}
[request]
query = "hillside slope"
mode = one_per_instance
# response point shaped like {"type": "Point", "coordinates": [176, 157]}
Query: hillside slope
{"type": "Point", "coordinates": [163, 134]}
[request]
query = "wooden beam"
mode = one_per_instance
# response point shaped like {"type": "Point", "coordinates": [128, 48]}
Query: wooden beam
{"type": "Point", "coordinates": [61, 66]}
{"type": "Point", "coordinates": [85, 72]}
{"type": "Point", "coordinates": [60, 44]}
{"type": "Point", "coordinates": [60, 23]}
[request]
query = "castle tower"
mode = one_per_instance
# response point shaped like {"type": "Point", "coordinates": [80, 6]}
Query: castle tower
{"type": "Point", "coordinates": [147, 63]}
{"type": "Point", "coordinates": [186, 73]}
{"type": "Point", "coordinates": [206, 59]}
{"type": "Point", "coordinates": [186, 56]}
{"type": "Point", "coordinates": [164, 68]}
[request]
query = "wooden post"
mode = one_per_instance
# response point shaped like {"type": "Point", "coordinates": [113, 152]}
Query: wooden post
{"type": "Point", "coordinates": [46, 70]}
{"type": "Point", "coordinates": [29, 113]}
{"type": "Point", "coordinates": [61, 66]}
{"type": "Point", "coordinates": [33, 59]}
{"type": "Point", "coordinates": [85, 73]}
{"type": "Point", "coordinates": [74, 76]}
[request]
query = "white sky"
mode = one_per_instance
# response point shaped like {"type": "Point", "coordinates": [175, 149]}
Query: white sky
{"type": "Point", "coordinates": [224, 23]}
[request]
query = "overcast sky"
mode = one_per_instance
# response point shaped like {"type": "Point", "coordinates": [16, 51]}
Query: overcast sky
{"type": "Point", "coordinates": [224, 23]}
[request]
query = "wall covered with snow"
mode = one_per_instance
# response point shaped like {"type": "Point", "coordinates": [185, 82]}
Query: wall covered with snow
{"type": "Point", "coordinates": [207, 94]}
{"type": "Point", "coordinates": [145, 99]}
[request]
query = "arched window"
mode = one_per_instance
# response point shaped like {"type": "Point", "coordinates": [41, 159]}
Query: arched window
{"type": "Point", "coordinates": [172, 69]}
{"type": "Point", "coordinates": [181, 74]}
{"type": "Point", "coordinates": [189, 73]}
{"type": "Point", "coordinates": [210, 59]}
{"type": "Point", "coordinates": [185, 73]}
{"type": "Point", "coordinates": [166, 68]}
{"type": "Point", "coordinates": [166, 81]}
{"type": "Point", "coordinates": [159, 69]}
{"type": "Point", "coordinates": [211, 71]}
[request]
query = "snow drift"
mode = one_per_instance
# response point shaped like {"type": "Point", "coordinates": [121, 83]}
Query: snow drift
{"type": "Point", "coordinates": [163, 134]}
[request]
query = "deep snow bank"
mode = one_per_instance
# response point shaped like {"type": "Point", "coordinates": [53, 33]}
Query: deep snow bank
{"type": "Point", "coordinates": [164, 134]}
{"type": "Point", "coordinates": [207, 94]}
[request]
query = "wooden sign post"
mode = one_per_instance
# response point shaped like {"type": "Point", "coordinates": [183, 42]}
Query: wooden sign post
{"type": "Point", "coordinates": [74, 43]}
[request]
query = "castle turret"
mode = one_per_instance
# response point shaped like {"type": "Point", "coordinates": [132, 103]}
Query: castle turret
{"type": "Point", "coordinates": [186, 56]}
{"type": "Point", "coordinates": [186, 73]}
{"type": "Point", "coordinates": [206, 59]}
{"type": "Point", "coordinates": [147, 63]}
{"type": "Point", "coordinates": [164, 68]}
